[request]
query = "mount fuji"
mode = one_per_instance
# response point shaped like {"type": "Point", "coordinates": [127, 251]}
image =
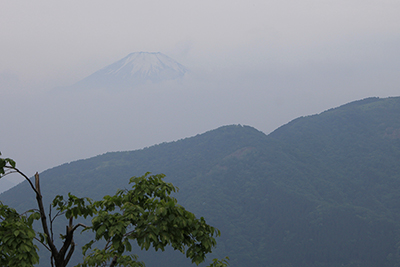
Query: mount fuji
{"type": "Point", "coordinates": [135, 69]}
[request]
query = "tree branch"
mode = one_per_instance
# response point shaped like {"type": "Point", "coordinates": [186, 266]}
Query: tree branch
{"type": "Point", "coordinates": [39, 200]}
{"type": "Point", "coordinates": [24, 214]}
{"type": "Point", "coordinates": [107, 246]}
{"type": "Point", "coordinates": [79, 224]}
{"type": "Point", "coordinates": [68, 238]}
{"type": "Point", "coordinates": [51, 224]}
{"type": "Point", "coordinates": [70, 252]}
{"type": "Point", "coordinates": [114, 261]}
{"type": "Point", "coordinates": [23, 175]}
{"type": "Point", "coordinates": [130, 234]}
{"type": "Point", "coordinates": [37, 239]}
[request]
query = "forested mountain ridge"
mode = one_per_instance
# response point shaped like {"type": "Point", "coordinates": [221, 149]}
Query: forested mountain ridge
{"type": "Point", "coordinates": [322, 190]}
{"type": "Point", "coordinates": [359, 142]}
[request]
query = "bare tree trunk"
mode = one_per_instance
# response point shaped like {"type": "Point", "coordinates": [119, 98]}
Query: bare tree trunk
{"type": "Point", "coordinates": [43, 219]}
{"type": "Point", "coordinates": [58, 256]}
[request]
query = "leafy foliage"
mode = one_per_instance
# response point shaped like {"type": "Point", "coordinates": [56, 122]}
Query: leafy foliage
{"type": "Point", "coordinates": [146, 213]}
{"type": "Point", "coordinates": [16, 238]}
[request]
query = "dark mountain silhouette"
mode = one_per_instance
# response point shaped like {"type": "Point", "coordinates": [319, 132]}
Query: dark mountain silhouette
{"type": "Point", "coordinates": [322, 190]}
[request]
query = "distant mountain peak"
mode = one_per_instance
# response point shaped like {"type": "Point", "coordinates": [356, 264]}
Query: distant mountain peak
{"type": "Point", "coordinates": [136, 68]}
{"type": "Point", "coordinates": [145, 65]}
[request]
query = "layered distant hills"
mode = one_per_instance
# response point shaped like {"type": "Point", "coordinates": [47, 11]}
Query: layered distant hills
{"type": "Point", "coordinates": [135, 69]}
{"type": "Point", "coordinates": [320, 191]}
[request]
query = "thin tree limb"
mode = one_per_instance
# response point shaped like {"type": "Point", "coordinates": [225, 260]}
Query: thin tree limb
{"type": "Point", "coordinates": [37, 239]}
{"type": "Point", "coordinates": [114, 261]}
{"type": "Point", "coordinates": [79, 224]}
{"type": "Point", "coordinates": [23, 175]}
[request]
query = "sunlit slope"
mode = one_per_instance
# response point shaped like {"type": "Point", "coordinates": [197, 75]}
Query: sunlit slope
{"type": "Point", "coordinates": [322, 190]}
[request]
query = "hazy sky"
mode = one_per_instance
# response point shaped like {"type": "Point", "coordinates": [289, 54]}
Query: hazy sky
{"type": "Point", "coordinates": [259, 63]}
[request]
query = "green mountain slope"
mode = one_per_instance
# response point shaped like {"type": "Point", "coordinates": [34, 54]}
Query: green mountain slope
{"type": "Point", "coordinates": [322, 190]}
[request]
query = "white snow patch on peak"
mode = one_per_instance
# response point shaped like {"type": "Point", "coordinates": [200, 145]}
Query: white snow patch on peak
{"type": "Point", "coordinates": [145, 64]}
{"type": "Point", "coordinates": [136, 68]}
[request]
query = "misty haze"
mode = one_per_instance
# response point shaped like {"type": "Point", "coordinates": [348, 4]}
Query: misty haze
{"type": "Point", "coordinates": [88, 81]}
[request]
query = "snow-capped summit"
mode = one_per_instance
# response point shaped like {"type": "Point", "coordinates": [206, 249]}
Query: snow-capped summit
{"type": "Point", "coordinates": [136, 68]}
{"type": "Point", "coordinates": [145, 65]}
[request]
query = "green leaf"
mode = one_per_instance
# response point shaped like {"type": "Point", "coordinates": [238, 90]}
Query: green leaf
{"type": "Point", "coordinates": [11, 162]}
{"type": "Point", "coordinates": [128, 246]}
